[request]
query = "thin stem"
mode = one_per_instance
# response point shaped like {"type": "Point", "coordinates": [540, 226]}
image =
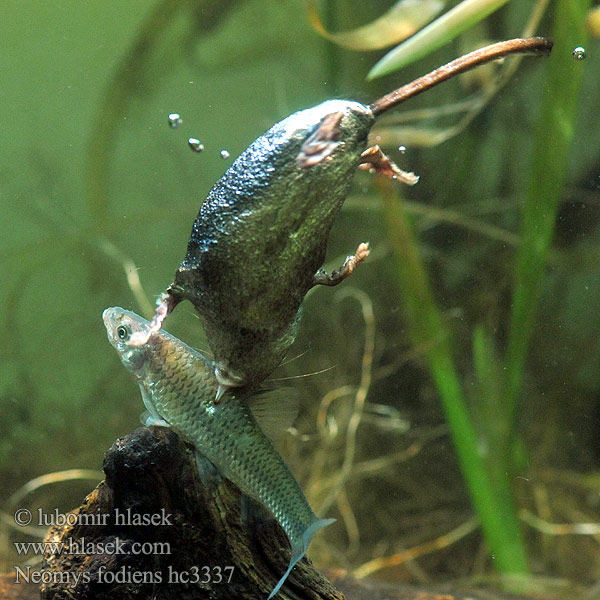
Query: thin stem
{"type": "Point", "coordinates": [460, 65]}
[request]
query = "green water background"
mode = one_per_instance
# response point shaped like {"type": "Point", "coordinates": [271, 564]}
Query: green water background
{"type": "Point", "coordinates": [76, 76]}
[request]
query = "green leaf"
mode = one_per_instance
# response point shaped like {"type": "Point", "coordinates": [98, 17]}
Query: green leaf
{"type": "Point", "coordinates": [399, 22]}
{"type": "Point", "coordinates": [435, 35]}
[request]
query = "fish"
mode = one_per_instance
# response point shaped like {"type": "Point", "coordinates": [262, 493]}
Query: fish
{"type": "Point", "coordinates": [178, 386]}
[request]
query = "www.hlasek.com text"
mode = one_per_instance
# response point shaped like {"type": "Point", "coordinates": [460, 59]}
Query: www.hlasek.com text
{"type": "Point", "coordinates": [86, 547]}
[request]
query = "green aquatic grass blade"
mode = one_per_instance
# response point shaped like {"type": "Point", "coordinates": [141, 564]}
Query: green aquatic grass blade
{"type": "Point", "coordinates": [551, 148]}
{"type": "Point", "coordinates": [490, 489]}
{"type": "Point", "coordinates": [490, 410]}
{"type": "Point", "coordinates": [435, 35]}
{"type": "Point", "coordinates": [490, 380]}
{"type": "Point", "coordinates": [402, 20]}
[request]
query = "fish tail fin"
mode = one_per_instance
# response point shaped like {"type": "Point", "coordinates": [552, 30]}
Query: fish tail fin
{"type": "Point", "coordinates": [311, 530]}
{"type": "Point", "coordinates": [299, 548]}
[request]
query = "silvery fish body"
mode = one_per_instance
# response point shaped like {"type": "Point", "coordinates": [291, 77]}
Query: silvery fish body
{"type": "Point", "coordinates": [178, 387]}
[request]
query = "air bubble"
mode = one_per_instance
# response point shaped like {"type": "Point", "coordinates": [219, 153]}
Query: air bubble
{"type": "Point", "coordinates": [579, 53]}
{"type": "Point", "coordinates": [224, 154]}
{"type": "Point", "coordinates": [175, 120]}
{"type": "Point", "coordinates": [195, 144]}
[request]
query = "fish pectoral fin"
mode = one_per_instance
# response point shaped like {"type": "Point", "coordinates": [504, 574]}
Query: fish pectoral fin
{"type": "Point", "coordinates": [150, 420]}
{"type": "Point", "coordinates": [150, 416]}
{"type": "Point", "coordinates": [274, 410]}
{"type": "Point", "coordinates": [299, 548]}
{"type": "Point", "coordinates": [253, 514]}
{"type": "Point", "coordinates": [206, 470]}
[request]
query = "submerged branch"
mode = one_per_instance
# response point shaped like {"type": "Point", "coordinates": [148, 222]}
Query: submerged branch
{"type": "Point", "coordinates": [205, 545]}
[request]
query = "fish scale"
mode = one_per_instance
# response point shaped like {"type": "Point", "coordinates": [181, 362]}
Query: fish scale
{"type": "Point", "coordinates": [178, 385]}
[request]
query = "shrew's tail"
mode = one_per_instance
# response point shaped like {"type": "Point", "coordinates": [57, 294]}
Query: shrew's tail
{"type": "Point", "coordinates": [299, 548]}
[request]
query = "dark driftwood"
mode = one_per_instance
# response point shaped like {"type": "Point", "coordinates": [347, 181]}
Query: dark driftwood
{"type": "Point", "coordinates": [151, 470]}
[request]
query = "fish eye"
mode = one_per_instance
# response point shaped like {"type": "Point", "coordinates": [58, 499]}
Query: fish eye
{"type": "Point", "coordinates": [123, 332]}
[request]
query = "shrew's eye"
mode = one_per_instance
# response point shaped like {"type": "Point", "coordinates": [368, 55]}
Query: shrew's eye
{"type": "Point", "coordinates": [123, 332]}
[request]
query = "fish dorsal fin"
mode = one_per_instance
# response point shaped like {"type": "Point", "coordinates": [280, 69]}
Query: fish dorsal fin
{"type": "Point", "coordinates": [274, 410]}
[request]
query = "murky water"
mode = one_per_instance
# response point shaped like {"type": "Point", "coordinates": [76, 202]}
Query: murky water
{"type": "Point", "coordinates": [98, 197]}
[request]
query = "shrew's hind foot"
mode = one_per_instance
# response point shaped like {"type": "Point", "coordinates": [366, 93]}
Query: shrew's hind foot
{"type": "Point", "coordinates": [322, 277]}
{"type": "Point", "coordinates": [164, 305]}
{"type": "Point", "coordinates": [373, 159]}
{"type": "Point", "coordinates": [226, 381]}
